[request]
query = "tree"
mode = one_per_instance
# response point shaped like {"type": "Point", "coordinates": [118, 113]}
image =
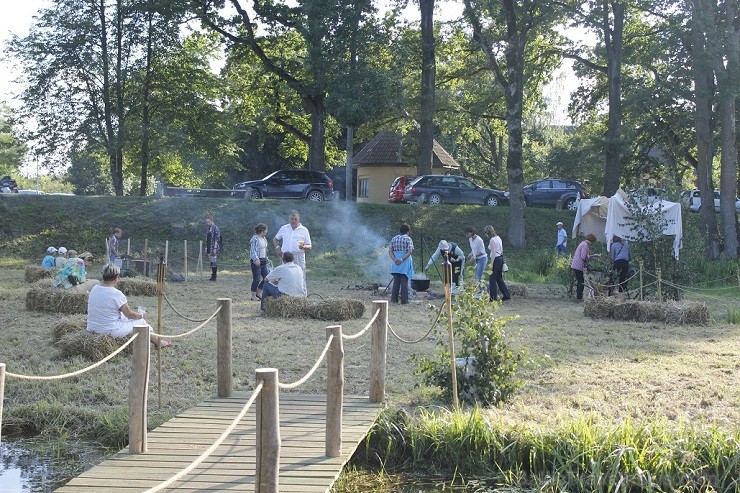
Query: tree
{"type": "Point", "coordinates": [428, 75]}
{"type": "Point", "coordinates": [12, 150]}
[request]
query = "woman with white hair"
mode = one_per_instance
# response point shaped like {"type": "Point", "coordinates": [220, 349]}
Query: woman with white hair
{"type": "Point", "coordinates": [108, 312]}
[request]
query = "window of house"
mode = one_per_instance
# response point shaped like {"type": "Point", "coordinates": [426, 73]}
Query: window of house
{"type": "Point", "coordinates": [362, 188]}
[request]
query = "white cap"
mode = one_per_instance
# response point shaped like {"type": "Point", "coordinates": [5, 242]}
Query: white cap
{"type": "Point", "coordinates": [443, 245]}
{"type": "Point", "coordinates": [62, 250]}
{"type": "Point", "coordinates": [51, 250]}
{"type": "Point", "coordinates": [558, 223]}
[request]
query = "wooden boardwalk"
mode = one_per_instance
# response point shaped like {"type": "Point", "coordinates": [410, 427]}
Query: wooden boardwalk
{"type": "Point", "coordinates": [231, 467]}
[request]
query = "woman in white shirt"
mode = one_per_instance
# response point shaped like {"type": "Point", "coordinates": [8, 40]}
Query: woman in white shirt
{"type": "Point", "coordinates": [497, 266]}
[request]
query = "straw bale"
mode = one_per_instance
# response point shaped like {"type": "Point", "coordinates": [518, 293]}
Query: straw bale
{"type": "Point", "coordinates": [68, 301]}
{"type": "Point", "coordinates": [137, 287]}
{"type": "Point", "coordinates": [517, 289]}
{"type": "Point", "coordinates": [329, 309]}
{"type": "Point", "coordinates": [94, 347]}
{"type": "Point", "coordinates": [598, 307]}
{"type": "Point", "coordinates": [68, 325]}
{"type": "Point", "coordinates": [35, 272]}
{"type": "Point", "coordinates": [671, 312]}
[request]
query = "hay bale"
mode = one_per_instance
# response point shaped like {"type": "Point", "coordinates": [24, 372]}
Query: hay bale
{"type": "Point", "coordinates": [69, 325]}
{"type": "Point", "coordinates": [35, 272]}
{"type": "Point", "coordinates": [137, 287]}
{"type": "Point", "coordinates": [598, 307]}
{"type": "Point", "coordinates": [686, 312]}
{"type": "Point", "coordinates": [671, 312]}
{"type": "Point", "coordinates": [94, 347]}
{"type": "Point", "coordinates": [517, 289]}
{"type": "Point", "coordinates": [68, 301]}
{"type": "Point", "coordinates": [329, 309]}
{"type": "Point", "coordinates": [625, 309]}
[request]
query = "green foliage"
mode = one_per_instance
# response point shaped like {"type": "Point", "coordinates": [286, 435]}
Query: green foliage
{"type": "Point", "coordinates": [86, 174]}
{"type": "Point", "coordinates": [480, 337]}
{"type": "Point", "coordinates": [12, 150]}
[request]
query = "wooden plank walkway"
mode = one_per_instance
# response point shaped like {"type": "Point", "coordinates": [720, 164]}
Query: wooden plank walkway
{"type": "Point", "coordinates": [231, 467]}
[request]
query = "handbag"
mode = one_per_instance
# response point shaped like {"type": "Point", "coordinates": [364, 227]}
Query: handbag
{"type": "Point", "coordinates": [504, 268]}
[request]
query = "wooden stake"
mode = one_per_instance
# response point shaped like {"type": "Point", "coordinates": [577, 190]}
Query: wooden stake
{"type": "Point", "coordinates": [185, 260]}
{"type": "Point", "coordinates": [137, 392]}
{"type": "Point", "coordinates": [378, 351]}
{"type": "Point", "coordinates": [268, 433]}
{"type": "Point", "coordinates": [160, 296]}
{"type": "Point", "coordinates": [223, 348]}
{"type": "Point", "coordinates": [660, 291]}
{"type": "Point", "coordinates": [448, 302]}
{"type": "Point", "coordinates": [334, 391]}
{"type": "Point", "coordinates": [641, 292]}
{"type": "Point", "coordinates": [2, 395]}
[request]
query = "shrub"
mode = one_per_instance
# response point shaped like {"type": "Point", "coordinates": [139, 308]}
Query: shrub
{"type": "Point", "coordinates": [480, 337]}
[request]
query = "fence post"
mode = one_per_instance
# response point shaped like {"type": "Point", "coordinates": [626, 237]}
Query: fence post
{"type": "Point", "coordinates": [185, 260]}
{"type": "Point", "coordinates": [641, 297]}
{"type": "Point", "coordinates": [146, 257]}
{"type": "Point", "coordinates": [378, 348]}
{"type": "Point", "coordinates": [166, 252]}
{"type": "Point", "coordinates": [268, 433]}
{"type": "Point", "coordinates": [128, 247]}
{"type": "Point", "coordinates": [223, 347]}
{"type": "Point", "coordinates": [2, 395]}
{"type": "Point", "coordinates": [660, 291]}
{"type": "Point", "coordinates": [334, 391]}
{"type": "Point", "coordinates": [199, 266]}
{"type": "Point", "coordinates": [137, 392]}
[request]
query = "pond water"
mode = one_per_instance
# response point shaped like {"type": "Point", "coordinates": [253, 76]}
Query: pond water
{"type": "Point", "coordinates": [38, 465]}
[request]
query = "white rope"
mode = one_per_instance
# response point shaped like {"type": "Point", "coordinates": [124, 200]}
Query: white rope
{"type": "Point", "coordinates": [409, 341]}
{"type": "Point", "coordinates": [355, 336]}
{"type": "Point", "coordinates": [311, 372]}
{"type": "Point", "coordinates": [213, 447]}
{"type": "Point", "coordinates": [191, 331]}
{"type": "Point", "coordinates": [178, 313]}
{"type": "Point", "coordinates": [75, 373]}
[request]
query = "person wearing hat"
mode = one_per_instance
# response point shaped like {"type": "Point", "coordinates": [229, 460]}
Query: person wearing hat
{"type": "Point", "coordinates": [578, 265]}
{"type": "Point", "coordinates": [61, 257]}
{"type": "Point", "coordinates": [74, 274]}
{"type": "Point", "coordinates": [449, 250]}
{"type": "Point", "coordinates": [49, 261]}
{"type": "Point", "coordinates": [561, 246]}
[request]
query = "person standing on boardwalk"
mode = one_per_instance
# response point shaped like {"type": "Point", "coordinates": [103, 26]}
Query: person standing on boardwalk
{"type": "Point", "coordinates": [213, 245]}
{"type": "Point", "coordinates": [561, 245]}
{"type": "Point", "coordinates": [497, 266]}
{"type": "Point", "coordinates": [402, 268]}
{"type": "Point", "coordinates": [294, 237]}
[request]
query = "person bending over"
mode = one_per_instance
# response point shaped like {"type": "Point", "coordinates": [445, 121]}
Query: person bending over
{"type": "Point", "coordinates": [108, 312]}
{"type": "Point", "coordinates": [285, 280]}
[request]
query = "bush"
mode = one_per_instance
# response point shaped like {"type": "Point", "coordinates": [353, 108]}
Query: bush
{"type": "Point", "coordinates": [479, 336]}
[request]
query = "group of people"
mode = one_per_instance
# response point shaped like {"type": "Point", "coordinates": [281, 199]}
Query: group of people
{"type": "Point", "coordinates": [401, 249]}
{"type": "Point", "coordinates": [54, 258]}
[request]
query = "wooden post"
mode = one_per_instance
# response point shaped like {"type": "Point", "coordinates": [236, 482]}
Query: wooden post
{"type": "Point", "coordinates": [378, 351]}
{"type": "Point", "coordinates": [334, 391]}
{"type": "Point", "coordinates": [199, 267]}
{"type": "Point", "coordinates": [2, 395]}
{"type": "Point", "coordinates": [268, 433]}
{"type": "Point", "coordinates": [641, 292]}
{"type": "Point", "coordinates": [160, 296]}
{"type": "Point", "coordinates": [660, 291]}
{"type": "Point", "coordinates": [146, 258]}
{"type": "Point", "coordinates": [223, 347]}
{"type": "Point", "coordinates": [185, 260]}
{"type": "Point", "coordinates": [128, 247]}
{"type": "Point", "coordinates": [166, 251]}
{"type": "Point", "coordinates": [137, 392]}
{"type": "Point", "coordinates": [448, 303]}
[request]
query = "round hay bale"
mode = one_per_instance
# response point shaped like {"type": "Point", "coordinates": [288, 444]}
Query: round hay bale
{"type": "Point", "coordinates": [69, 325]}
{"type": "Point", "coordinates": [137, 287]}
{"type": "Point", "coordinates": [35, 272]}
{"type": "Point", "coordinates": [68, 301]}
{"type": "Point", "coordinates": [598, 307]}
{"type": "Point", "coordinates": [93, 347]}
{"type": "Point", "coordinates": [517, 289]}
{"type": "Point", "coordinates": [333, 310]}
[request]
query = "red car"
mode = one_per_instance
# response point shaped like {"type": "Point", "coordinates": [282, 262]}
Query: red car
{"type": "Point", "coordinates": [395, 193]}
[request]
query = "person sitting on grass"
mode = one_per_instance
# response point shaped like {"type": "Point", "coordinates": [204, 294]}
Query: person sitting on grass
{"type": "Point", "coordinates": [73, 274]}
{"type": "Point", "coordinates": [50, 259]}
{"type": "Point", "coordinates": [286, 279]}
{"type": "Point", "coordinates": [108, 312]}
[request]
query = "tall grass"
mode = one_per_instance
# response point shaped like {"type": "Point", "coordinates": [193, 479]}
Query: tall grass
{"type": "Point", "coordinates": [581, 456]}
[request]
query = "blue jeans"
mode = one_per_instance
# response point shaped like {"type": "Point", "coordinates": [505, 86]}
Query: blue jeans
{"type": "Point", "coordinates": [259, 272]}
{"type": "Point", "coordinates": [480, 267]}
{"type": "Point", "coordinates": [269, 289]}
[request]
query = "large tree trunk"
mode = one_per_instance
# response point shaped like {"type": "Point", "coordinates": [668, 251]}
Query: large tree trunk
{"type": "Point", "coordinates": [703, 94]}
{"type": "Point", "coordinates": [613, 42]}
{"type": "Point", "coordinates": [428, 75]}
{"type": "Point", "coordinates": [120, 106]}
{"type": "Point", "coordinates": [109, 136]}
{"type": "Point", "coordinates": [317, 142]}
{"type": "Point", "coordinates": [145, 116]}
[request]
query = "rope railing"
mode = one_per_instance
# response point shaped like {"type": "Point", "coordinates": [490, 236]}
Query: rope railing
{"type": "Point", "coordinates": [360, 333]}
{"type": "Point", "coordinates": [405, 341]}
{"type": "Point", "coordinates": [180, 314]}
{"type": "Point", "coordinates": [311, 371]}
{"type": "Point", "coordinates": [178, 336]}
{"type": "Point", "coordinates": [213, 447]}
{"type": "Point", "coordinates": [74, 373]}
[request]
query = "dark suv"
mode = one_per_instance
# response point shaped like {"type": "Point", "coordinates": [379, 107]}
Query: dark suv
{"type": "Point", "coordinates": [451, 189]}
{"type": "Point", "coordinates": [290, 184]}
{"type": "Point", "coordinates": [549, 191]}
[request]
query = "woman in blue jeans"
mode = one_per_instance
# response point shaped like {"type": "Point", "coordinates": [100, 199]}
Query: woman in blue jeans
{"type": "Point", "coordinates": [477, 254]}
{"type": "Point", "coordinates": [258, 259]}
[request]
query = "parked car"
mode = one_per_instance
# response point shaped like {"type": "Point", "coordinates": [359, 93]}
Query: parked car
{"type": "Point", "coordinates": [31, 192]}
{"type": "Point", "coordinates": [549, 191]}
{"type": "Point", "coordinates": [451, 189]}
{"type": "Point", "coordinates": [290, 184]}
{"type": "Point", "coordinates": [693, 200]}
{"type": "Point", "coordinates": [398, 187]}
{"type": "Point", "coordinates": [8, 185]}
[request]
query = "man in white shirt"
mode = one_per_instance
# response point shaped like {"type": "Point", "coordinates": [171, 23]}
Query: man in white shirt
{"type": "Point", "coordinates": [295, 238]}
{"type": "Point", "coordinates": [285, 280]}
{"type": "Point", "coordinates": [562, 243]}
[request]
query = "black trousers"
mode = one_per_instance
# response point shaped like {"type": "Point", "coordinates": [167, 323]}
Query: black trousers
{"type": "Point", "coordinates": [621, 267]}
{"type": "Point", "coordinates": [400, 282]}
{"type": "Point", "coordinates": [497, 280]}
{"type": "Point", "coordinates": [580, 282]}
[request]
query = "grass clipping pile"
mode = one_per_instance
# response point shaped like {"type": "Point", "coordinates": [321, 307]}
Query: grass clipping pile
{"type": "Point", "coordinates": [73, 340]}
{"type": "Point", "coordinates": [137, 287]}
{"type": "Point", "coordinates": [330, 310]}
{"type": "Point", "coordinates": [43, 298]}
{"type": "Point", "coordinates": [670, 312]}
{"type": "Point", "coordinates": [36, 272]}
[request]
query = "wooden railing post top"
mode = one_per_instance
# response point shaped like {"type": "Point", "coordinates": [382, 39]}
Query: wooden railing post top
{"type": "Point", "coordinates": [260, 371]}
{"type": "Point", "coordinates": [2, 365]}
{"type": "Point", "coordinates": [381, 302]}
{"type": "Point", "coordinates": [223, 300]}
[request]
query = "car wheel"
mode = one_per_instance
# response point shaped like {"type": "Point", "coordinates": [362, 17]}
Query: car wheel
{"type": "Point", "coordinates": [435, 199]}
{"type": "Point", "coordinates": [492, 201]}
{"type": "Point", "coordinates": [253, 194]}
{"type": "Point", "coordinates": [570, 204]}
{"type": "Point", "coordinates": [315, 196]}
